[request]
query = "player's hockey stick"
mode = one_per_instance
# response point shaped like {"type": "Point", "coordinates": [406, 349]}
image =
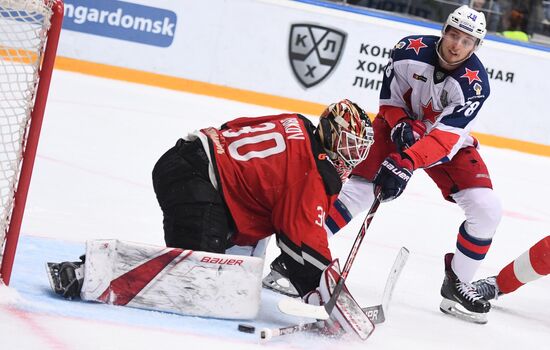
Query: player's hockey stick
{"type": "Point", "coordinates": [295, 307]}
{"type": "Point", "coordinates": [376, 313]}
{"type": "Point", "coordinates": [267, 333]}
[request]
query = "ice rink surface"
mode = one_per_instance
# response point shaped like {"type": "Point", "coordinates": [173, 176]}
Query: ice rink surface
{"type": "Point", "coordinates": [92, 179]}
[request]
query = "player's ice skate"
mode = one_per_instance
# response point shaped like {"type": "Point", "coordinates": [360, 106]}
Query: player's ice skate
{"type": "Point", "coordinates": [460, 299]}
{"type": "Point", "coordinates": [277, 279]}
{"type": "Point", "coordinates": [488, 288]}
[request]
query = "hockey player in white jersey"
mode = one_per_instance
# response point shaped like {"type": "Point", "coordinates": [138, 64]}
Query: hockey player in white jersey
{"type": "Point", "coordinates": [432, 92]}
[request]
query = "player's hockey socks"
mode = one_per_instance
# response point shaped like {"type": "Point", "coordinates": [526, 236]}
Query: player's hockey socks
{"type": "Point", "coordinates": [470, 246]}
{"type": "Point", "coordinates": [347, 316]}
{"type": "Point", "coordinates": [461, 299]}
{"type": "Point", "coordinates": [528, 267]}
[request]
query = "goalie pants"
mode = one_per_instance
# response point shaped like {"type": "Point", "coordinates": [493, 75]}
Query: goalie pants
{"type": "Point", "coordinates": [195, 216]}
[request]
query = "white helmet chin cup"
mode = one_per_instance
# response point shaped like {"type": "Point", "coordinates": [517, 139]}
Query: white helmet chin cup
{"type": "Point", "coordinates": [468, 21]}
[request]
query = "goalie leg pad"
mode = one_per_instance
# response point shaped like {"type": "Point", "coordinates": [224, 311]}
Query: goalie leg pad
{"type": "Point", "coordinates": [172, 280]}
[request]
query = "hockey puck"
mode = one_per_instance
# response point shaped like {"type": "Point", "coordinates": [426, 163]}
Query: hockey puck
{"type": "Point", "coordinates": [246, 328]}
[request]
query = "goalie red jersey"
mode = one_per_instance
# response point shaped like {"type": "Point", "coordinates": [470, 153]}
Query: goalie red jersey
{"type": "Point", "coordinates": [275, 178]}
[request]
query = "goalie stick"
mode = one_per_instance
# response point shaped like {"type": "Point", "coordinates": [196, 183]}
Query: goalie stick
{"type": "Point", "coordinates": [295, 307]}
{"type": "Point", "coordinates": [376, 313]}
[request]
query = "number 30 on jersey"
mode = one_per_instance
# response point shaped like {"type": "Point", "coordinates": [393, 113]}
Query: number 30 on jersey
{"type": "Point", "coordinates": [278, 146]}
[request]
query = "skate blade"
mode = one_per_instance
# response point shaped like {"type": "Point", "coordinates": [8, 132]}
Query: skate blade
{"type": "Point", "coordinates": [52, 276]}
{"type": "Point", "coordinates": [455, 309]}
{"type": "Point", "coordinates": [277, 283]}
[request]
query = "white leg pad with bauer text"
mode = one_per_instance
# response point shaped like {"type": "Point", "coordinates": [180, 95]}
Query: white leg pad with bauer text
{"type": "Point", "coordinates": [172, 280]}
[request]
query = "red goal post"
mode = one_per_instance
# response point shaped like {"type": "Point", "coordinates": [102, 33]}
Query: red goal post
{"type": "Point", "coordinates": [29, 34]}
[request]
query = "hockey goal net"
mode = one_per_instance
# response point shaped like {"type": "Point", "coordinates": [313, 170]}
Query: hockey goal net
{"type": "Point", "coordinates": [29, 32]}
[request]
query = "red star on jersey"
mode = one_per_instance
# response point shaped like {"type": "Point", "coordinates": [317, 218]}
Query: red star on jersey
{"type": "Point", "coordinates": [416, 45]}
{"type": "Point", "coordinates": [429, 112]}
{"type": "Point", "coordinates": [472, 76]}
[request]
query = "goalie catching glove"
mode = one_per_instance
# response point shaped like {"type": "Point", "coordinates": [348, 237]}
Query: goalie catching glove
{"type": "Point", "coordinates": [347, 316]}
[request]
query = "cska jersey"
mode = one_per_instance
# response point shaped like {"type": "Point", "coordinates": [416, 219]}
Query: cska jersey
{"type": "Point", "coordinates": [447, 102]}
{"type": "Point", "coordinates": [275, 178]}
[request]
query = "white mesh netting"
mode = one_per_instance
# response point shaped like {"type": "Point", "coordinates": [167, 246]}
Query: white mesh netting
{"type": "Point", "coordinates": [23, 29]}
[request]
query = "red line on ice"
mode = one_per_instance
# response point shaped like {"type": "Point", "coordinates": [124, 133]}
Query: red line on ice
{"type": "Point", "coordinates": [37, 330]}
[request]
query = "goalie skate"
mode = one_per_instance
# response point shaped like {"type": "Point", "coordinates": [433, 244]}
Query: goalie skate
{"type": "Point", "coordinates": [66, 277]}
{"type": "Point", "coordinates": [277, 279]}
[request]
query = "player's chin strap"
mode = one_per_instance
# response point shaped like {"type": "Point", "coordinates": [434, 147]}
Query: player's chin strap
{"type": "Point", "coordinates": [296, 308]}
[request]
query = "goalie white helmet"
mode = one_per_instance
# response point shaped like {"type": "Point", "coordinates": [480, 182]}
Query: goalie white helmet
{"type": "Point", "coordinates": [469, 21]}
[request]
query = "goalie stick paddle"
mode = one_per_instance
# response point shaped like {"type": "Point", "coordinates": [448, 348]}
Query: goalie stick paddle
{"type": "Point", "coordinates": [376, 313]}
{"type": "Point", "coordinates": [295, 307]}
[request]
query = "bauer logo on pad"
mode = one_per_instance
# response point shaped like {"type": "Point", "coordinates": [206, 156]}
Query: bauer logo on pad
{"type": "Point", "coordinates": [314, 52]}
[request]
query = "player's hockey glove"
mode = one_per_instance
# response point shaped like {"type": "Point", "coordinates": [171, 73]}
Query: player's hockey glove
{"type": "Point", "coordinates": [393, 175]}
{"type": "Point", "coordinates": [405, 133]}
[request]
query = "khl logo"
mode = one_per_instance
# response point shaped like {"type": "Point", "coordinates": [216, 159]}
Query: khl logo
{"type": "Point", "coordinates": [314, 52]}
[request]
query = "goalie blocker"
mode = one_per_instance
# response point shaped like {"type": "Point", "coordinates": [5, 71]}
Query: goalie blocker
{"type": "Point", "coordinates": [163, 279]}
